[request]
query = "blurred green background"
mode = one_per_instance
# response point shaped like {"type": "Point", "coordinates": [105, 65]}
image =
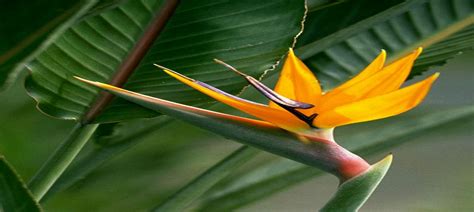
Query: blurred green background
{"type": "Point", "coordinates": [433, 171]}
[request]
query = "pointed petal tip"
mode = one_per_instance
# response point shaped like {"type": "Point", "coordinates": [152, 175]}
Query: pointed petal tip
{"type": "Point", "coordinates": [85, 80]}
{"type": "Point", "coordinates": [217, 60]}
{"type": "Point", "coordinates": [418, 51]}
{"type": "Point", "coordinates": [175, 74]}
{"type": "Point", "coordinates": [433, 77]}
{"type": "Point", "coordinates": [291, 51]}
{"type": "Point", "coordinates": [78, 78]}
{"type": "Point", "coordinates": [162, 67]}
{"type": "Point", "coordinates": [97, 84]}
{"type": "Point", "coordinates": [383, 54]}
{"type": "Point", "coordinates": [383, 57]}
{"type": "Point", "coordinates": [230, 67]}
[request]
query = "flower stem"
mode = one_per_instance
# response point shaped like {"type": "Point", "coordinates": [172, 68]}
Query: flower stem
{"type": "Point", "coordinates": [98, 156]}
{"type": "Point", "coordinates": [202, 183]}
{"type": "Point", "coordinates": [60, 160]}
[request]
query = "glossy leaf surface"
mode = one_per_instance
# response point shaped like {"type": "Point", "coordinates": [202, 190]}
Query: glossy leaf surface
{"type": "Point", "coordinates": [26, 34]}
{"type": "Point", "coordinates": [250, 35]}
{"type": "Point", "coordinates": [340, 51]}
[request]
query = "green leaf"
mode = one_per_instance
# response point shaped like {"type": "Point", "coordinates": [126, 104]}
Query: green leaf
{"type": "Point", "coordinates": [23, 32]}
{"type": "Point", "coordinates": [186, 195]}
{"type": "Point", "coordinates": [104, 5]}
{"type": "Point", "coordinates": [281, 174]}
{"type": "Point", "coordinates": [115, 138]}
{"type": "Point", "coordinates": [256, 185]}
{"type": "Point", "coordinates": [124, 137]}
{"type": "Point", "coordinates": [14, 196]}
{"type": "Point", "coordinates": [342, 15]}
{"type": "Point", "coordinates": [60, 159]}
{"type": "Point", "coordinates": [253, 36]}
{"type": "Point", "coordinates": [352, 194]}
{"type": "Point", "coordinates": [438, 26]}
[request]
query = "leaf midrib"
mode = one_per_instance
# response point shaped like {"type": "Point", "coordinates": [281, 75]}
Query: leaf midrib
{"type": "Point", "coordinates": [131, 62]}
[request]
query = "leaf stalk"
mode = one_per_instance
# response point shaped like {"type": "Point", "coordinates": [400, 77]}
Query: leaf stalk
{"type": "Point", "coordinates": [60, 160]}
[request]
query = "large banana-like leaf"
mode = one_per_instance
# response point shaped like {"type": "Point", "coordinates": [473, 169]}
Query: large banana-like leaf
{"type": "Point", "coordinates": [441, 26]}
{"type": "Point", "coordinates": [35, 24]}
{"type": "Point", "coordinates": [14, 196]}
{"type": "Point", "coordinates": [251, 35]}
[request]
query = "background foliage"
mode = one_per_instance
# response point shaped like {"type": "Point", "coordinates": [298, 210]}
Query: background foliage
{"type": "Point", "coordinates": [436, 135]}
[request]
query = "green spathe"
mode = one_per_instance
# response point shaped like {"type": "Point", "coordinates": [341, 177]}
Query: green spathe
{"type": "Point", "coordinates": [353, 193]}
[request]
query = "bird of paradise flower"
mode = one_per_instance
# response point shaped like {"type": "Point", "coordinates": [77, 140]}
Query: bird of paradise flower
{"type": "Point", "coordinates": [299, 106]}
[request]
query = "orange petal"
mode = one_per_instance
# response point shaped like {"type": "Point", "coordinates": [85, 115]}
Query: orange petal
{"type": "Point", "coordinates": [280, 118]}
{"type": "Point", "coordinates": [375, 66]}
{"type": "Point", "coordinates": [376, 107]}
{"type": "Point", "coordinates": [266, 91]}
{"type": "Point", "coordinates": [370, 82]}
{"type": "Point", "coordinates": [174, 105]}
{"type": "Point", "coordinates": [297, 82]}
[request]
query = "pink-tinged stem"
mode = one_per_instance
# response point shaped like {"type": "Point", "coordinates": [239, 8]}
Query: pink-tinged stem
{"type": "Point", "coordinates": [333, 158]}
{"type": "Point", "coordinates": [349, 164]}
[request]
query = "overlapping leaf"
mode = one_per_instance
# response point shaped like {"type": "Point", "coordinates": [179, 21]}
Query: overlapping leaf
{"type": "Point", "coordinates": [14, 196]}
{"type": "Point", "coordinates": [29, 29]}
{"type": "Point", "coordinates": [251, 35]}
{"type": "Point", "coordinates": [336, 54]}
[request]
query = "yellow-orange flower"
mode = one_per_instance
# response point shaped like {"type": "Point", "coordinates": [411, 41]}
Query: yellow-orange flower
{"type": "Point", "coordinates": [374, 93]}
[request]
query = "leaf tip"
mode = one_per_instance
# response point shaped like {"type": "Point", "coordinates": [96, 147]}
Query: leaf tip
{"type": "Point", "coordinates": [388, 159]}
{"type": "Point", "coordinates": [385, 163]}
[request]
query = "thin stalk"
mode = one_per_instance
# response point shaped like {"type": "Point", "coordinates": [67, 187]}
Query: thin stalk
{"type": "Point", "coordinates": [97, 157]}
{"type": "Point", "coordinates": [60, 160]}
{"type": "Point", "coordinates": [186, 195]}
